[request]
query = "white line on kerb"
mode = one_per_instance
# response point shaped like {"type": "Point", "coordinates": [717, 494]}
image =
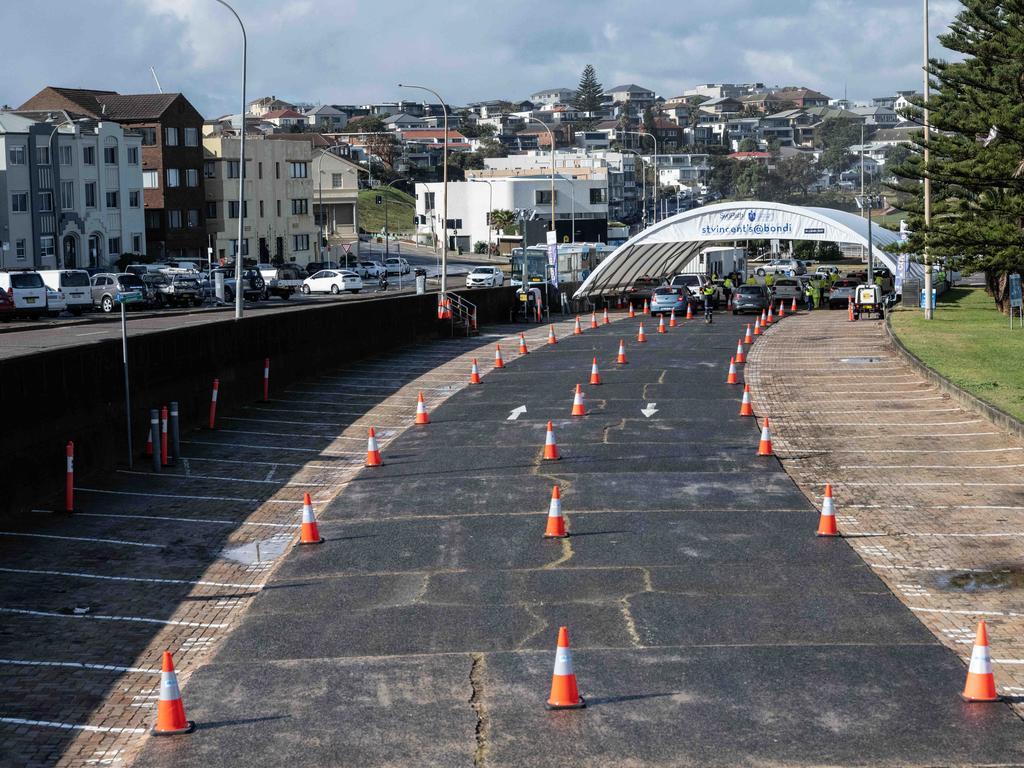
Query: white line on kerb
{"type": "Point", "coordinates": [102, 617]}
{"type": "Point", "coordinates": [70, 726]}
{"type": "Point", "coordinates": [77, 665]}
{"type": "Point", "coordinates": [100, 577]}
{"type": "Point", "coordinates": [82, 538]}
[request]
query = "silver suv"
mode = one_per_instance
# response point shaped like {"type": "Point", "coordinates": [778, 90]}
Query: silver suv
{"type": "Point", "coordinates": [791, 267]}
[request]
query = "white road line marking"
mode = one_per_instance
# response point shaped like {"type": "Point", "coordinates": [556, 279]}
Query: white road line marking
{"type": "Point", "coordinates": [267, 480]}
{"type": "Point", "coordinates": [896, 534]}
{"type": "Point", "coordinates": [139, 579]}
{"type": "Point", "coordinates": [901, 423]}
{"type": "Point", "coordinates": [77, 665]}
{"type": "Point", "coordinates": [102, 617]}
{"type": "Point", "coordinates": [334, 467]}
{"type": "Point", "coordinates": [91, 333]}
{"type": "Point", "coordinates": [82, 538]}
{"type": "Point", "coordinates": [186, 496]}
{"type": "Point", "coordinates": [931, 466]}
{"type": "Point", "coordinates": [70, 726]}
{"type": "Point", "coordinates": [924, 450]}
{"type": "Point", "coordinates": [935, 484]}
{"type": "Point", "coordinates": [339, 454]}
{"type": "Point", "coordinates": [966, 613]}
{"type": "Point", "coordinates": [336, 424]}
{"type": "Point", "coordinates": [286, 434]}
{"type": "Point", "coordinates": [888, 567]}
{"type": "Point", "coordinates": [188, 520]}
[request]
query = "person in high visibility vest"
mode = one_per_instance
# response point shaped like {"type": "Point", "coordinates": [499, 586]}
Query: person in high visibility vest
{"type": "Point", "coordinates": [809, 297]}
{"type": "Point", "coordinates": [751, 280]}
{"type": "Point", "coordinates": [769, 279]}
{"type": "Point", "coordinates": [728, 289]}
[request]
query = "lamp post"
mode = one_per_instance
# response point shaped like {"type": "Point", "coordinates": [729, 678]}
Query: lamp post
{"type": "Point", "coordinates": [241, 175]}
{"type": "Point", "coordinates": [643, 180]}
{"type": "Point", "coordinates": [551, 139]}
{"type": "Point", "coordinates": [927, 177]}
{"type": "Point", "coordinates": [867, 202]}
{"type": "Point", "coordinates": [59, 248]}
{"type": "Point", "coordinates": [656, 182]}
{"type": "Point", "coordinates": [490, 209]}
{"type": "Point", "coordinates": [444, 225]}
{"type": "Point", "coordinates": [320, 193]}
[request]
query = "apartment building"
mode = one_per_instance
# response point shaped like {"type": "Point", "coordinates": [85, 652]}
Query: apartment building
{"type": "Point", "coordinates": [278, 200]}
{"type": "Point", "coordinates": [172, 159]}
{"type": "Point", "coordinates": [70, 192]}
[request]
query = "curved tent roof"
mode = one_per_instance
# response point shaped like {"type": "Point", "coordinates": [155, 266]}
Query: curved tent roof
{"type": "Point", "coordinates": [668, 246]}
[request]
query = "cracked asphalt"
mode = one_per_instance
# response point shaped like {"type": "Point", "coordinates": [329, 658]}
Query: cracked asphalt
{"type": "Point", "coordinates": [709, 625]}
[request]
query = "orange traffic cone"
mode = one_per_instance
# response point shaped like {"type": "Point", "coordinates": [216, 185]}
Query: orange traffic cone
{"type": "Point", "coordinates": [309, 533]}
{"type": "Point", "coordinates": [672, 322]}
{"type": "Point", "coordinates": [593, 319]}
{"type": "Point", "coordinates": [372, 451]}
{"type": "Point", "coordinates": [621, 360]}
{"type": "Point", "coordinates": [647, 309]}
{"type": "Point", "coordinates": [550, 446]}
{"type": "Point", "coordinates": [849, 309]}
{"type": "Point", "coordinates": [981, 684]}
{"type": "Point", "coordinates": [421, 411]}
{"type": "Point", "coordinates": [764, 448]}
{"type": "Point", "coordinates": [731, 378]}
{"type": "Point", "coordinates": [564, 693]}
{"type": "Point", "coordinates": [606, 320]}
{"type": "Point", "coordinates": [556, 523]}
{"type": "Point", "coordinates": [782, 309]}
{"type": "Point", "coordinates": [474, 373]}
{"type": "Point", "coordinates": [661, 325]}
{"type": "Point", "coordinates": [498, 362]}
{"type": "Point", "coordinates": [522, 345]}
{"type": "Point", "coordinates": [746, 409]}
{"type": "Point", "coordinates": [595, 375]}
{"type": "Point", "coordinates": [771, 318]}
{"type": "Point", "coordinates": [640, 336]}
{"type": "Point", "coordinates": [748, 339]}
{"type": "Point", "coordinates": [792, 306]}
{"type": "Point", "coordinates": [827, 521]}
{"type": "Point", "coordinates": [757, 328]}
{"type": "Point", "coordinates": [551, 336]}
{"type": "Point", "coordinates": [632, 313]}
{"type": "Point", "coordinates": [764, 316]}
{"type": "Point", "coordinates": [170, 711]}
{"type": "Point", "coordinates": [578, 408]}
{"type": "Point", "coordinates": [689, 311]}
{"type": "Point", "coordinates": [577, 329]}
{"type": "Point", "coordinates": [741, 356]}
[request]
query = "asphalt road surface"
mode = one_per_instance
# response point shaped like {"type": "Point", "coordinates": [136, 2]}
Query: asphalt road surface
{"type": "Point", "coordinates": [709, 625]}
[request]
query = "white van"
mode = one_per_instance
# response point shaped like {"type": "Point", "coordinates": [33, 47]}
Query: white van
{"type": "Point", "coordinates": [26, 290]}
{"type": "Point", "coordinates": [74, 284]}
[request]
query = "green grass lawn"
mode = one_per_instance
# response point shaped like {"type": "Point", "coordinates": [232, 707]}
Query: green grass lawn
{"type": "Point", "coordinates": [401, 208]}
{"type": "Point", "coordinates": [970, 343]}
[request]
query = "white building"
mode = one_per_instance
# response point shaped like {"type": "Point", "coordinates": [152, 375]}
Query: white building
{"type": "Point", "coordinates": [325, 118]}
{"type": "Point", "coordinates": [70, 192]}
{"type": "Point", "coordinates": [553, 96]}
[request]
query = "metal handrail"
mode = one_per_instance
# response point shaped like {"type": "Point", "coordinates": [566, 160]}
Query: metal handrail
{"type": "Point", "coordinates": [464, 310]}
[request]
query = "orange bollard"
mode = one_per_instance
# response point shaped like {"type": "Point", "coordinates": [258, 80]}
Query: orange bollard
{"type": "Point", "coordinates": [69, 475]}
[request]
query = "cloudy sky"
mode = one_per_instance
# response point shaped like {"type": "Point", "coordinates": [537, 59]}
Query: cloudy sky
{"type": "Point", "coordinates": [346, 51]}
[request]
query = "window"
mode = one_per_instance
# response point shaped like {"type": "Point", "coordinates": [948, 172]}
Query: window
{"type": "Point", "coordinates": [89, 155]}
{"type": "Point", "coordinates": [19, 202]}
{"type": "Point", "coordinates": [174, 219]}
{"type": "Point", "coordinates": [110, 155]}
{"type": "Point", "coordinates": [300, 242]}
{"type": "Point", "coordinates": [67, 195]}
{"type": "Point", "coordinates": [277, 170]}
{"type": "Point", "coordinates": [337, 180]}
{"type": "Point", "coordinates": [19, 248]}
{"type": "Point", "coordinates": [245, 247]}
{"type": "Point", "coordinates": [148, 137]}
{"type": "Point", "coordinates": [543, 197]}
{"type": "Point", "coordinates": [66, 154]}
{"type": "Point", "coordinates": [598, 196]}
{"type": "Point", "coordinates": [114, 246]}
{"type": "Point", "coordinates": [278, 207]}
{"type": "Point", "coordinates": [112, 199]}
{"type": "Point", "coordinates": [259, 170]}
{"type": "Point", "coordinates": [300, 206]}
{"type": "Point", "coordinates": [191, 137]}
{"type": "Point", "coordinates": [261, 209]}
{"type": "Point", "coordinates": [133, 155]}
{"type": "Point", "coordinates": [298, 170]}
{"type": "Point", "coordinates": [17, 154]}
{"type": "Point", "coordinates": [152, 219]}
{"type": "Point", "coordinates": [171, 136]}
{"type": "Point", "coordinates": [134, 198]}
{"type": "Point", "coordinates": [43, 155]}
{"type": "Point", "coordinates": [192, 177]}
{"type": "Point", "coordinates": [428, 201]}
{"type": "Point", "coordinates": [210, 169]}
{"type": "Point", "coordinates": [173, 177]}
{"type": "Point", "coordinates": [46, 246]}
{"type": "Point", "coordinates": [90, 194]}
{"type": "Point", "coordinates": [45, 202]}
{"type": "Point", "coordinates": [233, 209]}
{"type": "Point", "coordinates": [211, 209]}
{"type": "Point", "coordinates": [232, 169]}
{"type": "Point", "coordinates": [192, 221]}
{"type": "Point", "coordinates": [137, 243]}
{"type": "Point", "coordinates": [150, 179]}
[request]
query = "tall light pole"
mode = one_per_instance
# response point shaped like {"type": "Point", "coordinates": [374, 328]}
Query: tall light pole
{"type": "Point", "coordinates": [657, 183]}
{"type": "Point", "coordinates": [490, 208]}
{"type": "Point", "coordinates": [643, 179]}
{"type": "Point", "coordinates": [551, 139]}
{"type": "Point", "coordinates": [241, 175]}
{"type": "Point", "coordinates": [323, 215]}
{"type": "Point", "coordinates": [927, 178]}
{"type": "Point", "coordinates": [444, 205]}
{"type": "Point", "coordinates": [54, 164]}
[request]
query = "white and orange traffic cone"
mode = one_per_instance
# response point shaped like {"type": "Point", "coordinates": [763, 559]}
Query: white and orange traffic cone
{"type": "Point", "coordinates": [849, 309]}
{"type": "Point", "coordinates": [632, 312]}
{"type": "Point", "coordinates": [741, 356]}
{"type": "Point", "coordinates": [595, 375]}
{"type": "Point", "coordinates": [689, 311]}
{"type": "Point", "coordinates": [577, 329]}
{"type": "Point", "coordinates": [647, 309]}
{"type": "Point", "coordinates": [621, 359]}
{"type": "Point", "coordinates": [827, 521]}
{"type": "Point", "coordinates": [661, 325]}
{"type": "Point", "coordinates": [607, 320]}
{"type": "Point", "coordinates": [498, 362]}
{"type": "Point", "coordinates": [746, 408]}
{"type": "Point", "coordinates": [309, 533]}
{"type": "Point", "coordinates": [422, 417]}
{"type": "Point", "coordinates": [764, 448]}
{"type": "Point", "coordinates": [372, 450]}
{"type": "Point", "coordinates": [170, 711]}
{"type": "Point", "coordinates": [792, 306]}
{"type": "Point", "coordinates": [731, 378]}
{"type": "Point", "coordinates": [748, 339]}
{"type": "Point", "coordinates": [550, 446]}
{"type": "Point", "coordinates": [551, 336]}
{"type": "Point", "coordinates": [523, 350]}
{"type": "Point", "coordinates": [782, 309]}
{"type": "Point", "coordinates": [564, 692]}
{"type": "Point", "coordinates": [474, 373]}
{"type": "Point", "coordinates": [593, 319]}
{"type": "Point", "coordinates": [672, 322]}
{"type": "Point", "coordinates": [757, 327]}
{"type": "Point", "coordinates": [981, 683]}
{"type": "Point", "coordinates": [640, 336]}
{"type": "Point", "coordinates": [556, 523]}
{"type": "Point", "coordinates": [771, 318]}
{"type": "Point", "coordinates": [764, 315]}
{"type": "Point", "coordinates": [578, 409]}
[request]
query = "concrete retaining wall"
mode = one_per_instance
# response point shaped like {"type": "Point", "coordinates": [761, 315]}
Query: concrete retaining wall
{"type": "Point", "coordinates": [77, 393]}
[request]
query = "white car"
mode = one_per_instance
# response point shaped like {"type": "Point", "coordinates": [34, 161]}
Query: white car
{"type": "Point", "coordinates": [26, 291]}
{"type": "Point", "coordinates": [55, 302]}
{"type": "Point", "coordinates": [332, 281]}
{"type": "Point", "coordinates": [396, 266]}
{"type": "Point", "coordinates": [790, 267]}
{"type": "Point", "coordinates": [369, 269]}
{"type": "Point", "coordinates": [485, 277]}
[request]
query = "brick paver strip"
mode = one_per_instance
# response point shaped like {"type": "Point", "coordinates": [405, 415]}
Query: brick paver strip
{"type": "Point", "coordinates": [930, 494]}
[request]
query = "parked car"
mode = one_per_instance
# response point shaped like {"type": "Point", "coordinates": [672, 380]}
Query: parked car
{"type": "Point", "coordinates": [750, 298]}
{"type": "Point", "coordinates": [788, 288]}
{"type": "Point", "coordinates": [74, 284]}
{"type": "Point", "coordinates": [692, 282]}
{"type": "Point", "coordinates": [176, 289]}
{"type": "Point", "coordinates": [781, 266]}
{"type": "Point", "coordinates": [664, 300]}
{"type": "Point", "coordinates": [253, 284]}
{"type": "Point", "coordinates": [397, 266]}
{"type": "Point", "coordinates": [55, 302]}
{"type": "Point", "coordinates": [281, 280]}
{"type": "Point", "coordinates": [315, 266]}
{"type": "Point", "coordinates": [26, 291]}
{"type": "Point", "coordinates": [485, 277]}
{"type": "Point", "coordinates": [106, 286]}
{"type": "Point", "coordinates": [826, 270]}
{"type": "Point", "coordinates": [6, 307]}
{"type": "Point", "coordinates": [145, 269]}
{"type": "Point", "coordinates": [369, 270]}
{"type": "Point", "coordinates": [332, 281]}
{"type": "Point", "coordinates": [842, 291]}
{"type": "Point", "coordinates": [642, 289]}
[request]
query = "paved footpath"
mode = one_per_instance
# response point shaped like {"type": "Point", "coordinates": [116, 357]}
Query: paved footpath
{"type": "Point", "coordinates": [710, 626]}
{"type": "Point", "coordinates": [929, 493]}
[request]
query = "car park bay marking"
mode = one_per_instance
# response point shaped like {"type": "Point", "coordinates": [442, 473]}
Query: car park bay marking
{"type": "Point", "coordinates": [103, 617]}
{"type": "Point", "coordinates": [101, 577]}
{"type": "Point", "coordinates": [650, 410]}
{"type": "Point", "coordinates": [83, 538]}
{"type": "Point", "coordinates": [77, 665]}
{"type": "Point", "coordinates": [515, 413]}
{"type": "Point", "coordinates": [91, 333]}
{"type": "Point", "coordinates": [187, 520]}
{"type": "Point", "coordinates": [339, 454]}
{"type": "Point", "coordinates": [70, 726]}
{"type": "Point", "coordinates": [186, 496]}
{"type": "Point", "coordinates": [190, 476]}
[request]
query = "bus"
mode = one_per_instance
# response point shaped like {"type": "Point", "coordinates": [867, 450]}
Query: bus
{"type": "Point", "coordinates": [575, 262]}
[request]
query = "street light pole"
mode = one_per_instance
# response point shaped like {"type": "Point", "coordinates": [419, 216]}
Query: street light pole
{"type": "Point", "coordinates": [551, 139]}
{"type": "Point", "coordinates": [323, 215]}
{"type": "Point", "coordinates": [490, 209]}
{"type": "Point", "coordinates": [927, 177]}
{"type": "Point", "coordinates": [656, 182]}
{"type": "Point", "coordinates": [643, 181]}
{"type": "Point", "coordinates": [241, 175]}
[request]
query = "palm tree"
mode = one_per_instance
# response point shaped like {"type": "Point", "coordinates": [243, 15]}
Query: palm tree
{"type": "Point", "coordinates": [503, 220]}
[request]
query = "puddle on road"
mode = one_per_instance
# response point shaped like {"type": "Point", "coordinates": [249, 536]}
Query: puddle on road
{"type": "Point", "coordinates": [256, 552]}
{"type": "Point", "coordinates": [860, 360]}
{"type": "Point", "coordinates": [1004, 578]}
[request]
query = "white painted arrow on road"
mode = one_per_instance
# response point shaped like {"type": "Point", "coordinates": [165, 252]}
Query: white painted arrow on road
{"type": "Point", "coordinates": [650, 410]}
{"type": "Point", "coordinates": [515, 413]}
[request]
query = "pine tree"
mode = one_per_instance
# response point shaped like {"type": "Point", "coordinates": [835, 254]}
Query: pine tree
{"type": "Point", "coordinates": [589, 93]}
{"type": "Point", "coordinates": [976, 161]}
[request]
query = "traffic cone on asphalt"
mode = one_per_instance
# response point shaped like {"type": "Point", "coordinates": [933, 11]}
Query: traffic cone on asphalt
{"type": "Point", "coordinates": [632, 313]}
{"type": "Point", "coordinates": [578, 409]}
{"type": "Point", "coordinates": [764, 448]}
{"type": "Point", "coordinates": [640, 336]}
{"type": "Point", "coordinates": [372, 451]}
{"type": "Point", "coordinates": [421, 410]}
{"type": "Point", "coordinates": [551, 336]}
{"type": "Point", "coordinates": [757, 328]}
{"type": "Point", "coordinates": [748, 339]}
{"type": "Point", "coordinates": [746, 409]}
{"type": "Point", "coordinates": [741, 356]}
{"type": "Point", "coordinates": [782, 309]}
{"type": "Point", "coordinates": [827, 521]}
{"type": "Point", "coordinates": [550, 446]}
{"type": "Point", "coordinates": [689, 311]}
{"type": "Point", "coordinates": [474, 373]}
{"type": "Point", "coordinates": [672, 322]}
{"type": "Point", "coordinates": [621, 360]}
{"type": "Point", "coordinates": [849, 310]}
{"type": "Point", "coordinates": [771, 318]}
{"type": "Point", "coordinates": [522, 345]}
{"type": "Point", "coordinates": [593, 319]}
{"type": "Point", "coordinates": [606, 320]}
{"type": "Point", "coordinates": [981, 684]}
{"type": "Point", "coordinates": [764, 316]}
{"type": "Point", "coordinates": [731, 378]}
{"type": "Point", "coordinates": [564, 693]}
{"type": "Point", "coordinates": [595, 375]}
{"type": "Point", "coordinates": [170, 711]}
{"type": "Point", "coordinates": [577, 329]}
{"type": "Point", "coordinates": [498, 362]}
{"type": "Point", "coordinates": [661, 325]}
{"type": "Point", "coordinates": [792, 306]}
{"type": "Point", "coordinates": [647, 310]}
{"type": "Point", "coordinates": [556, 523]}
{"type": "Point", "coordinates": [309, 533]}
